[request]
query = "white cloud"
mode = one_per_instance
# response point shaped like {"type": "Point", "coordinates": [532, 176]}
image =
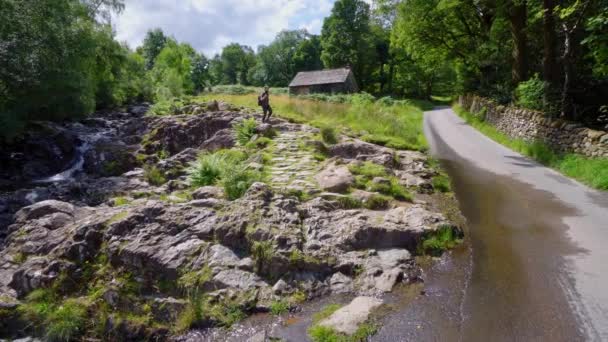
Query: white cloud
{"type": "Point", "coordinates": [208, 25]}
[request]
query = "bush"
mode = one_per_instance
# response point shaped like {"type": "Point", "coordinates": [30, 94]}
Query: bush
{"type": "Point", "coordinates": [368, 169]}
{"type": "Point", "coordinates": [377, 202]}
{"type": "Point", "coordinates": [386, 101]}
{"type": "Point", "coordinates": [67, 321]}
{"type": "Point", "coordinates": [154, 176]}
{"type": "Point", "coordinates": [444, 238]}
{"type": "Point", "coordinates": [208, 169]}
{"type": "Point", "coordinates": [529, 94]}
{"type": "Point", "coordinates": [245, 130]}
{"type": "Point", "coordinates": [328, 134]}
{"type": "Point", "coordinates": [441, 183]}
{"type": "Point", "coordinates": [278, 308]}
{"type": "Point", "coordinates": [236, 181]}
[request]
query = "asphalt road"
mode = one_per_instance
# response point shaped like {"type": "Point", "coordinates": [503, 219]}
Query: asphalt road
{"type": "Point", "coordinates": [539, 241]}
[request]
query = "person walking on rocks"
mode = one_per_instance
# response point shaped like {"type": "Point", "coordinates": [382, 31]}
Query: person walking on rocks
{"type": "Point", "coordinates": [264, 102]}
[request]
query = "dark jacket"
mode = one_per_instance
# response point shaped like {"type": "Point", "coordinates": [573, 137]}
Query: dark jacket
{"type": "Point", "coordinates": [264, 99]}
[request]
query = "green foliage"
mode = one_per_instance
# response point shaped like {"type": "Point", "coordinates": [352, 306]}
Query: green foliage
{"type": "Point", "coordinates": [226, 168]}
{"type": "Point", "coordinates": [236, 60]}
{"type": "Point", "coordinates": [530, 94]}
{"type": "Point", "coordinates": [377, 202]}
{"type": "Point", "coordinates": [58, 320]}
{"type": "Point", "coordinates": [262, 252]}
{"type": "Point", "coordinates": [368, 169]}
{"type": "Point", "coordinates": [442, 183]}
{"type": "Point", "coordinates": [346, 37]}
{"type": "Point", "coordinates": [67, 321]}
{"type": "Point", "coordinates": [329, 136]}
{"type": "Point", "coordinates": [208, 169]}
{"type": "Point", "coordinates": [245, 130]}
{"type": "Point", "coordinates": [279, 307]}
{"type": "Point", "coordinates": [349, 202]}
{"type": "Point", "coordinates": [154, 176]}
{"type": "Point", "coordinates": [444, 238]}
{"type": "Point", "coordinates": [121, 201]}
{"type": "Point", "coordinates": [238, 180]}
{"type": "Point", "coordinates": [259, 143]}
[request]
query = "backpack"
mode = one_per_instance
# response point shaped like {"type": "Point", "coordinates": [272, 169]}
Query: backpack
{"type": "Point", "coordinates": [260, 100]}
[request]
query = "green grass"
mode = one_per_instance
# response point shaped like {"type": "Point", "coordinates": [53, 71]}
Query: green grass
{"type": "Point", "coordinates": [377, 202]}
{"type": "Point", "coordinates": [154, 176]}
{"type": "Point", "coordinates": [590, 171]}
{"type": "Point", "coordinates": [442, 183]}
{"type": "Point", "coordinates": [227, 168]}
{"type": "Point", "coordinates": [121, 201]}
{"type": "Point", "coordinates": [365, 173]}
{"type": "Point", "coordinates": [368, 169]}
{"type": "Point", "coordinates": [326, 312]}
{"type": "Point", "coordinates": [435, 243]}
{"type": "Point", "coordinates": [279, 307]}
{"type": "Point", "coordinates": [398, 125]}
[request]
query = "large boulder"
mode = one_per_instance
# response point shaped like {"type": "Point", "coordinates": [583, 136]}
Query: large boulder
{"type": "Point", "coordinates": [109, 158]}
{"type": "Point", "coordinates": [335, 178]}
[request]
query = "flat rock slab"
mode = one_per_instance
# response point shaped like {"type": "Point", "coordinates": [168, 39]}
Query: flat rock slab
{"type": "Point", "coordinates": [347, 319]}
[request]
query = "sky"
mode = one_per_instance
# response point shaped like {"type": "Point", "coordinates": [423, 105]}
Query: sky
{"type": "Point", "coordinates": [209, 25]}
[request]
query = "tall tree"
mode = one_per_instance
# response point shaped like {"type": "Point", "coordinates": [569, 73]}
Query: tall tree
{"type": "Point", "coordinates": [518, 14]}
{"type": "Point", "coordinates": [307, 55]}
{"type": "Point", "coordinates": [153, 44]}
{"type": "Point", "coordinates": [236, 61]}
{"type": "Point", "coordinates": [346, 38]}
{"type": "Point", "coordinates": [277, 61]}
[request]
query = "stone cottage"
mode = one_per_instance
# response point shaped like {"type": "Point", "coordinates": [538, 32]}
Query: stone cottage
{"type": "Point", "coordinates": [324, 81]}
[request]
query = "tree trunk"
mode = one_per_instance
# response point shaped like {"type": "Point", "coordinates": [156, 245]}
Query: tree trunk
{"type": "Point", "coordinates": [550, 73]}
{"type": "Point", "coordinates": [518, 18]}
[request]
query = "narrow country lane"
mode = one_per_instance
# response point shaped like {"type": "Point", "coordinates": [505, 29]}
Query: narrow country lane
{"type": "Point", "coordinates": [539, 242]}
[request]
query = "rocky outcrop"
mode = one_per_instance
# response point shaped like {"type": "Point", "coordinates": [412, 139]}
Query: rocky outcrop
{"type": "Point", "coordinates": [102, 235]}
{"type": "Point", "coordinates": [518, 123]}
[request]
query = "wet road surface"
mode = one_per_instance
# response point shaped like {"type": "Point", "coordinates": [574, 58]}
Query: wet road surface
{"type": "Point", "coordinates": [534, 265]}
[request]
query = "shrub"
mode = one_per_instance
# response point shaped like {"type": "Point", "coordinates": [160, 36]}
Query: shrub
{"type": "Point", "coordinates": [67, 321]}
{"type": "Point", "coordinates": [349, 202]}
{"type": "Point", "coordinates": [278, 308]}
{"type": "Point", "coordinates": [441, 183]}
{"type": "Point", "coordinates": [259, 143]}
{"type": "Point", "coordinates": [377, 202]}
{"type": "Point", "coordinates": [328, 134]}
{"type": "Point", "coordinates": [386, 101]}
{"type": "Point", "coordinates": [154, 176]}
{"type": "Point", "coordinates": [208, 169]}
{"type": "Point", "coordinates": [236, 181]}
{"type": "Point", "coordinates": [261, 252]}
{"type": "Point", "coordinates": [529, 94]}
{"type": "Point", "coordinates": [368, 169]}
{"type": "Point", "coordinates": [444, 238]}
{"type": "Point", "coordinates": [245, 130]}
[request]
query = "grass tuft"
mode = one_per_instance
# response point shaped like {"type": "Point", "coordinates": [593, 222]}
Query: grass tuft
{"type": "Point", "coordinates": [328, 134]}
{"type": "Point", "coordinates": [154, 176]}
{"type": "Point", "coordinates": [444, 238]}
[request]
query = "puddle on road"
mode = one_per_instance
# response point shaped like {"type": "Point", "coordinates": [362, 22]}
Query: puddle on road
{"type": "Point", "coordinates": [510, 281]}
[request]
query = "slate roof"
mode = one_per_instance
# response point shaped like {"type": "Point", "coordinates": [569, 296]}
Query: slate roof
{"type": "Point", "coordinates": [307, 78]}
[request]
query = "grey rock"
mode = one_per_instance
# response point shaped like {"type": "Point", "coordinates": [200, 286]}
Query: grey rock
{"type": "Point", "coordinates": [335, 178]}
{"type": "Point", "coordinates": [347, 319]}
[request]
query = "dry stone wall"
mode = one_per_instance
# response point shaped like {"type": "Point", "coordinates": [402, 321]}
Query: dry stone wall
{"type": "Point", "coordinates": [564, 136]}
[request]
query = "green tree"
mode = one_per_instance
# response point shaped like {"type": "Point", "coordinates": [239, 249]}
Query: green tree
{"type": "Point", "coordinates": [172, 72]}
{"type": "Point", "coordinates": [307, 55]}
{"type": "Point", "coordinates": [153, 44]}
{"type": "Point", "coordinates": [236, 61]}
{"type": "Point", "coordinates": [346, 39]}
{"type": "Point", "coordinates": [276, 61]}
